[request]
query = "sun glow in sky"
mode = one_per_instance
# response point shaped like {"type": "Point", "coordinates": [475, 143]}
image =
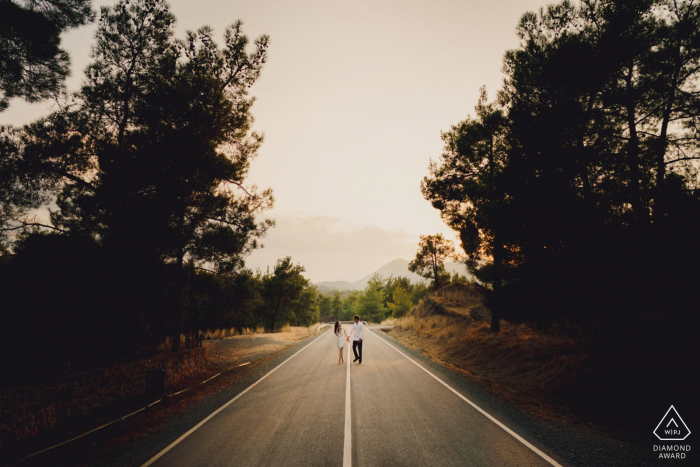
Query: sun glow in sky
{"type": "Point", "coordinates": [352, 101]}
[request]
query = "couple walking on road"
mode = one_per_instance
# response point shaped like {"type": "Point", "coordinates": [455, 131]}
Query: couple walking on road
{"type": "Point", "coordinates": [358, 330]}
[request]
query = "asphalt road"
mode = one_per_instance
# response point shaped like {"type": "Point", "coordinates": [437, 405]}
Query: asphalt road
{"type": "Point", "coordinates": [394, 411]}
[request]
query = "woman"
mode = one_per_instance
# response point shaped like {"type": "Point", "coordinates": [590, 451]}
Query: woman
{"type": "Point", "coordinates": [339, 332]}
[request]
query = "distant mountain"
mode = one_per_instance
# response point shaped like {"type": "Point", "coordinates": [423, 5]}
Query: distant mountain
{"type": "Point", "coordinates": [335, 285]}
{"type": "Point", "coordinates": [395, 268]}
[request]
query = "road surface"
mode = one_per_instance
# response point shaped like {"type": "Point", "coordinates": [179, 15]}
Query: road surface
{"type": "Point", "coordinates": [388, 411]}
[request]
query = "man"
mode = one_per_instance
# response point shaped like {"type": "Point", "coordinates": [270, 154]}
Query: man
{"type": "Point", "coordinates": [358, 330]}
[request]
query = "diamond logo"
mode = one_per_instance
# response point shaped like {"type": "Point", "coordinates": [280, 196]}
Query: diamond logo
{"type": "Point", "coordinates": [672, 427]}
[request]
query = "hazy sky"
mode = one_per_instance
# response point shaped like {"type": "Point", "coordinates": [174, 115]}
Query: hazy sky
{"type": "Point", "coordinates": [352, 101]}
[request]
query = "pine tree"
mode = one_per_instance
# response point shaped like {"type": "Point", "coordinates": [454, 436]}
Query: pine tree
{"type": "Point", "coordinates": [401, 302]}
{"type": "Point", "coordinates": [33, 65]}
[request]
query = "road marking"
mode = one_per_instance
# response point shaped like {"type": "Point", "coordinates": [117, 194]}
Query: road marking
{"type": "Point", "coordinates": [179, 392]}
{"type": "Point", "coordinates": [84, 434]}
{"type": "Point", "coordinates": [154, 403]}
{"type": "Point", "coordinates": [72, 439]}
{"type": "Point", "coordinates": [193, 429]}
{"type": "Point", "coordinates": [483, 412]}
{"type": "Point", "coordinates": [244, 364]}
{"type": "Point", "coordinates": [210, 378]}
{"type": "Point", "coordinates": [347, 445]}
{"type": "Point", "coordinates": [133, 413]}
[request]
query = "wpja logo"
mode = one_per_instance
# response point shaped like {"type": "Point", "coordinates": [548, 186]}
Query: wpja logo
{"type": "Point", "coordinates": [672, 428]}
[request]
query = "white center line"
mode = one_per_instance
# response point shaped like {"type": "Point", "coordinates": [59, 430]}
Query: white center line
{"type": "Point", "coordinates": [192, 430]}
{"type": "Point", "coordinates": [483, 412]}
{"type": "Point", "coordinates": [347, 445]}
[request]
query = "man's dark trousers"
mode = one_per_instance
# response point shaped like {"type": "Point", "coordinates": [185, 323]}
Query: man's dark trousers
{"type": "Point", "coordinates": [355, 345]}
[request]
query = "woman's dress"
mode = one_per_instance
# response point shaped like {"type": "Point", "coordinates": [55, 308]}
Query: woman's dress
{"type": "Point", "coordinates": [341, 338]}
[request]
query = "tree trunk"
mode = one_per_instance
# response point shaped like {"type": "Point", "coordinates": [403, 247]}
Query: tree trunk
{"type": "Point", "coordinates": [180, 282]}
{"type": "Point", "coordinates": [497, 251]}
{"type": "Point", "coordinates": [179, 312]}
{"type": "Point", "coordinates": [633, 153]}
{"type": "Point", "coordinates": [272, 322]}
{"type": "Point", "coordinates": [436, 275]}
{"type": "Point", "coordinates": [497, 283]}
{"type": "Point", "coordinates": [582, 163]}
{"type": "Point", "coordinates": [662, 143]}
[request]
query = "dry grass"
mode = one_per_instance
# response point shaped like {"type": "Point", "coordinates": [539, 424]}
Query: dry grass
{"type": "Point", "coordinates": [390, 322]}
{"type": "Point", "coordinates": [528, 366]}
{"type": "Point", "coordinates": [234, 350]}
{"type": "Point", "coordinates": [285, 332]}
{"type": "Point", "coordinates": [225, 333]}
{"type": "Point", "coordinates": [220, 333]}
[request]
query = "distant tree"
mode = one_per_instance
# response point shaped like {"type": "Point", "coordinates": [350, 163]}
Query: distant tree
{"type": "Point", "coordinates": [420, 291]}
{"type": "Point", "coordinates": [349, 305]}
{"type": "Point", "coordinates": [370, 305]}
{"type": "Point", "coordinates": [281, 292]}
{"type": "Point", "coordinates": [223, 300]}
{"type": "Point", "coordinates": [325, 304]}
{"type": "Point", "coordinates": [337, 307]}
{"type": "Point", "coordinates": [458, 278]}
{"type": "Point", "coordinates": [401, 302]}
{"type": "Point", "coordinates": [391, 284]}
{"type": "Point", "coordinates": [429, 262]}
{"type": "Point", "coordinates": [306, 312]}
{"type": "Point", "coordinates": [377, 281]}
{"type": "Point", "coordinates": [33, 65]}
{"type": "Point", "coordinates": [243, 298]}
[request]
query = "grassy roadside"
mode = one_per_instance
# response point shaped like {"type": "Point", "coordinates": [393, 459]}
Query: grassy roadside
{"type": "Point", "coordinates": [225, 352]}
{"type": "Point", "coordinates": [527, 367]}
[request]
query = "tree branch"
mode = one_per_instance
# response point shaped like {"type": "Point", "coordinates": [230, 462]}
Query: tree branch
{"type": "Point", "coordinates": [240, 185]}
{"type": "Point", "coordinates": [682, 159]}
{"type": "Point", "coordinates": [227, 279]}
{"type": "Point", "coordinates": [75, 179]}
{"type": "Point", "coordinates": [32, 224]}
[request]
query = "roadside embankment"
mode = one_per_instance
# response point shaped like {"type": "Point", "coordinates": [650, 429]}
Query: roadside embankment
{"type": "Point", "coordinates": [527, 366]}
{"type": "Point", "coordinates": [242, 348]}
{"type": "Point", "coordinates": [34, 410]}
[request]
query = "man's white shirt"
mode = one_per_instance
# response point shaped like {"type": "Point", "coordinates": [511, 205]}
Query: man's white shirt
{"type": "Point", "coordinates": [358, 330]}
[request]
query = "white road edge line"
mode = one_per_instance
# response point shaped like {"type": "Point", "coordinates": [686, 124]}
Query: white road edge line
{"type": "Point", "coordinates": [72, 439]}
{"type": "Point", "coordinates": [133, 413]}
{"type": "Point", "coordinates": [179, 392]}
{"type": "Point", "coordinates": [80, 436]}
{"type": "Point", "coordinates": [192, 430]}
{"type": "Point", "coordinates": [483, 412]}
{"type": "Point", "coordinates": [347, 445]}
{"type": "Point", "coordinates": [210, 378]}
